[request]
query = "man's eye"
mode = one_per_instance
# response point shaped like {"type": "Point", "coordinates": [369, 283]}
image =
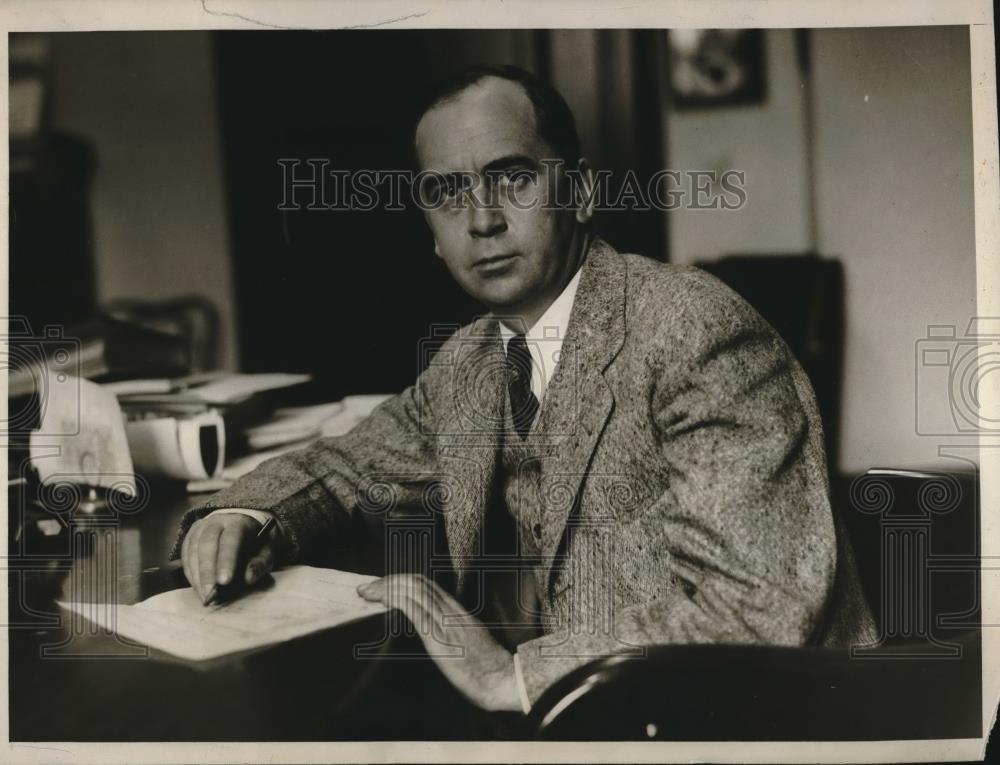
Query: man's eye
{"type": "Point", "coordinates": [519, 177]}
{"type": "Point", "coordinates": [458, 185]}
{"type": "Point", "coordinates": [433, 191]}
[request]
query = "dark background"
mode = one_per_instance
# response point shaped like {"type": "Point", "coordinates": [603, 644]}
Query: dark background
{"type": "Point", "coordinates": [347, 295]}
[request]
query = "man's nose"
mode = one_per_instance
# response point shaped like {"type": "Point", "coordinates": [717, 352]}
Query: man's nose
{"type": "Point", "coordinates": [486, 217]}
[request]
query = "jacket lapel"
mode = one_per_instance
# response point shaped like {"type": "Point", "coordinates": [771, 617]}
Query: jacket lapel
{"type": "Point", "coordinates": [469, 438]}
{"type": "Point", "coordinates": [578, 400]}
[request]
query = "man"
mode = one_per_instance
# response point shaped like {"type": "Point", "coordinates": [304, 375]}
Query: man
{"type": "Point", "coordinates": [665, 480]}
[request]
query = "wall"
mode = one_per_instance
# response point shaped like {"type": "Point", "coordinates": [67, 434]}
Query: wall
{"type": "Point", "coordinates": [895, 197]}
{"type": "Point", "coordinates": [147, 103]}
{"type": "Point", "coordinates": [893, 186]}
{"type": "Point", "coordinates": [765, 141]}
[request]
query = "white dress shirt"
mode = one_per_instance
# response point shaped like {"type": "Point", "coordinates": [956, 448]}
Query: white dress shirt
{"type": "Point", "coordinates": [545, 337]}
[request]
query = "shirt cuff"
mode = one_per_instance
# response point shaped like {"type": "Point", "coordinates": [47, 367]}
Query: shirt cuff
{"type": "Point", "coordinates": [261, 516]}
{"type": "Point", "coordinates": [522, 691]}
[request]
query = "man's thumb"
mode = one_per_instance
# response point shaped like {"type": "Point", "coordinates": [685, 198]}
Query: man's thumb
{"type": "Point", "coordinates": [259, 565]}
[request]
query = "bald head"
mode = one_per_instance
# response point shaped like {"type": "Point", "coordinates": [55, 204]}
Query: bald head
{"type": "Point", "coordinates": [494, 113]}
{"type": "Point", "coordinates": [552, 118]}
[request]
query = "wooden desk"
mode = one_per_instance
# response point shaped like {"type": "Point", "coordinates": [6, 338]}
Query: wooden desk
{"type": "Point", "coordinates": [70, 684]}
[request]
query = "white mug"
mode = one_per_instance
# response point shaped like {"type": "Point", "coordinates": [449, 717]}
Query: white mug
{"type": "Point", "coordinates": [189, 448]}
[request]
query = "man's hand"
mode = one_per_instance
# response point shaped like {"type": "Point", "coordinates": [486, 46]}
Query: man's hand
{"type": "Point", "coordinates": [461, 646]}
{"type": "Point", "coordinates": [216, 545]}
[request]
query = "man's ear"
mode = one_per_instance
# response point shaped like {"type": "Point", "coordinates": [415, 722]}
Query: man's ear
{"type": "Point", "coordinates": [583, 189]}
{"type": "Point", "coordinates": [437, 247]}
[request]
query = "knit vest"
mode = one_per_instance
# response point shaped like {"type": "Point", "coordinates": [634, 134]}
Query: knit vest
{"type": "Point", "coordinates": [513, 533]}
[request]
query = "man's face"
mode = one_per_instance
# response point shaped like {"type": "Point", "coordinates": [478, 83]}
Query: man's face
{"type": "Point", "coordinates": [498, 242]}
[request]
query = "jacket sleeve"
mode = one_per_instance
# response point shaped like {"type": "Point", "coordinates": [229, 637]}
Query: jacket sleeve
{"type": "Point", "coordinates": [320, 493]}
{"type": "Point", "coordinates": [745, 545]}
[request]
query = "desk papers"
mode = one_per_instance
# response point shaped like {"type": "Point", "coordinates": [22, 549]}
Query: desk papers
{"type": "Point", "coordinates": [301, 600]}
{"type": "Point", "coordinates": [232, 388]}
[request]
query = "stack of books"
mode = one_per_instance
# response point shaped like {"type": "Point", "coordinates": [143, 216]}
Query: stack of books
{"type": "Point", "coordinates": [101, 349]}
{"type": "Point", "coordinates": [254, 430]}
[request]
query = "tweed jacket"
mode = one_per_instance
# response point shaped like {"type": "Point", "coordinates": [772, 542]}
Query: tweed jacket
{"type": "Point", "coordinates": [682, 495]}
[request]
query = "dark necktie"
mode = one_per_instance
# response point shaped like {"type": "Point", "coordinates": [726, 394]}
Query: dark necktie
{"type": "Point", "coordinates": [523, 404]}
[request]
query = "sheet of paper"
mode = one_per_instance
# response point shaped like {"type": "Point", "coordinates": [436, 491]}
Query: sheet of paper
{"type": "Point", "coordinates": [84, 421]}
{"type": "Point", "coordinates": [290, 425]}
{"type": "Point", "coordinates": [236, 387]}
{"type": "Point", "coordinates": [356, 409]}
{"type": "Point", "coordinates": [302, 599]}
{"type": "Point", "coordinates": [291, 429]}
{"type": "Point", "coordinates": [240, 467]}
{"type": "Point", "coordinates": [131, 387]}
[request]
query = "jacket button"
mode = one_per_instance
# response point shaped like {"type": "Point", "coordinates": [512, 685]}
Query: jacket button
{"type": "Point", "coordinates": [537, 530]}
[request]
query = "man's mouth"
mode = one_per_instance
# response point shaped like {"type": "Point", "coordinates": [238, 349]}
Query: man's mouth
{"type": "Point", "coordinates": [494, 262]}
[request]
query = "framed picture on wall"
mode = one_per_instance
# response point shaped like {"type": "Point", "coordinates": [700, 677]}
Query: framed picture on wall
{"type": "Point", "coordinates": [716, 67]}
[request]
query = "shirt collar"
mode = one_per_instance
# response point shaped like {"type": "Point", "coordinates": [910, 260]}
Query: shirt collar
{"type": "Point", "coordinates": [552, 324]}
